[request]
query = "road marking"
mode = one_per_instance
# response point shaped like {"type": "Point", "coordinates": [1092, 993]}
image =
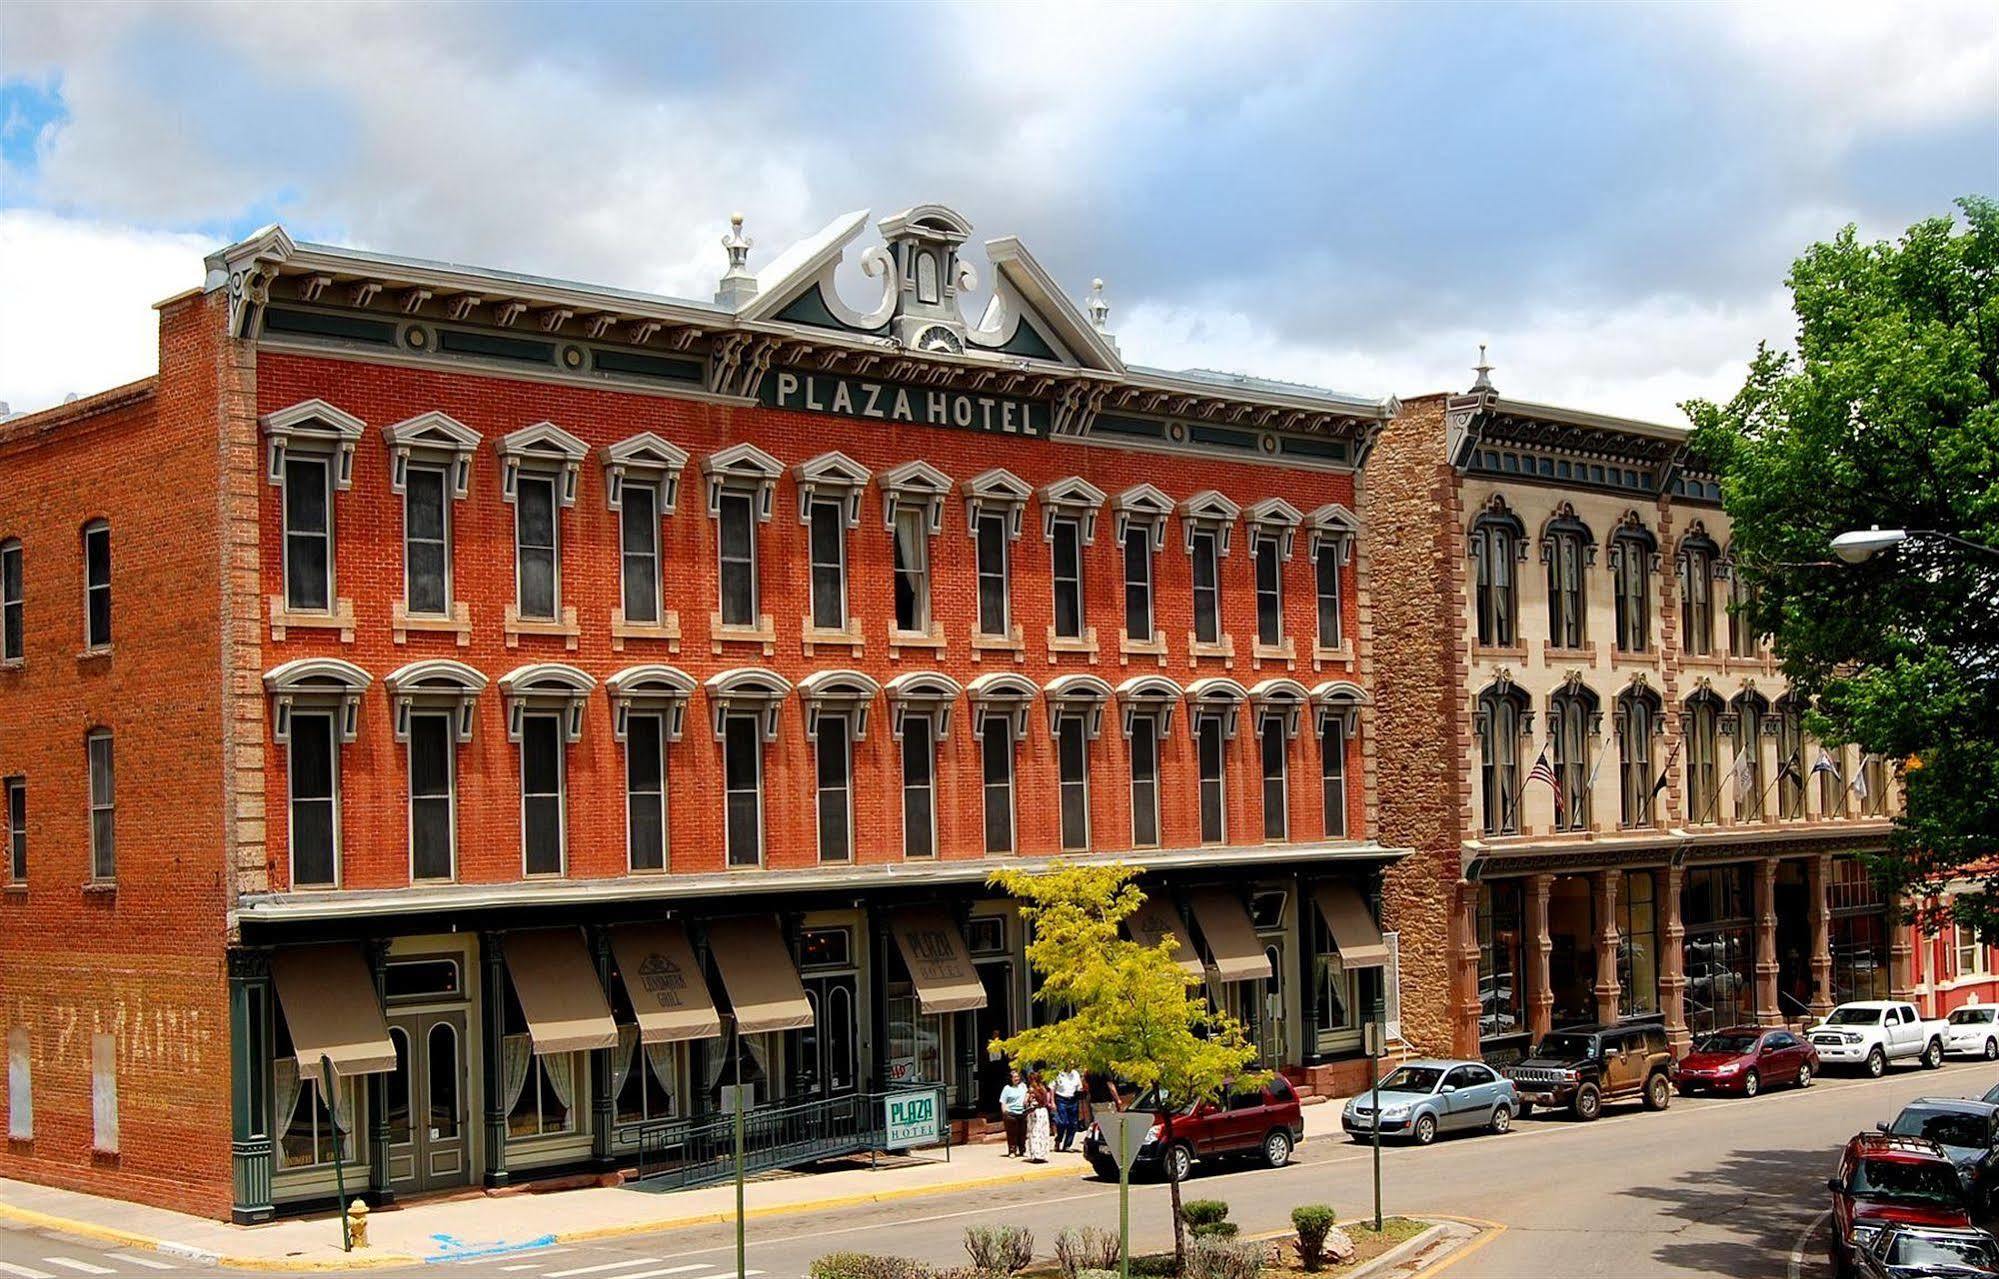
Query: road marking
{"type": "Point", "coordinates": [1490, 1231]}
{"type": "Point", "coordinates": [679, 1270]}
{"type": "Point", "coordinates": [609, 1265]}
{"type": "Point", "coordinates": [83, 1266]}
{"type": "Point", "coordinates": [24, 1272]}
{"type": "Point", "coordinates": [147, 1262]}
{"type": "Point", "coordinates": [1796, 1268]}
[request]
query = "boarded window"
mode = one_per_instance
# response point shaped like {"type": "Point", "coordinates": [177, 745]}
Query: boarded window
{"type": "Point", "coordinates": [20, 1095]}
{"type": "Point", "coordinates": [104, 1093]}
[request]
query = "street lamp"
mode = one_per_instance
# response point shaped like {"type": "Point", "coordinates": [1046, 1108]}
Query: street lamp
{"type": "Point", "coordinates": [1863, 544]}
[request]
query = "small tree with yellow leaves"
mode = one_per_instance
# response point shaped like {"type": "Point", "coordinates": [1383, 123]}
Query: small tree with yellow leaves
{"type": "Point", "coordinates": [1123, 1010]}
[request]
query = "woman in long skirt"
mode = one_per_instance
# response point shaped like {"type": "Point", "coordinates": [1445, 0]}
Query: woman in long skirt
{"type": "Point", "coordinates": [1040, 1102]}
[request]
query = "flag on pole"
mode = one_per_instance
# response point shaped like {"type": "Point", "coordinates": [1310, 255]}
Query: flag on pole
{"type": "Point", "coordinates": [1860, 779]}
{"type": "Point", "coordinates": [1745, 769]}
{"type": "Point", "coordinates": [1666, 773]}
{"type": "Point", "coordinates": [1791, 766]}
{"type": "Point", "coordinates": [1543, 771]}
{"type": "Point", "coordinates": [1825, 764]}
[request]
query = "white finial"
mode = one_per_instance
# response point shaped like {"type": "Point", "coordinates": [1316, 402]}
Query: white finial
{"type": "Point", "coordinates": [738, 284]}
{"type": "Point", "coordinates": [1100, 310]}
{"type": "Point", "coordinates": [1484, 371]}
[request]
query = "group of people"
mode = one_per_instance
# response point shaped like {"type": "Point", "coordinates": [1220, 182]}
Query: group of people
{"type": "Point", "coordinates": [1040, 1117]}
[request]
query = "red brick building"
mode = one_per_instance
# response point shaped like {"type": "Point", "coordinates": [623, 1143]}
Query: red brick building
{"type": "Point", "coordinates": [539, 705]}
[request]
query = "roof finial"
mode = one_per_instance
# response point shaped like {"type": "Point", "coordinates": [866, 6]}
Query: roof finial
{"type": "Point", "coordinates": [1484, 371]}
{"type": "Point", "coordinates": [738, 284]}
{"type": "Point", "coordinates": [1100, 310]}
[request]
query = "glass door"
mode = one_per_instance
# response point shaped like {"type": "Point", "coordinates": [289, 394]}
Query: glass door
{"type": "Point", "coordinates": [426, 1102]}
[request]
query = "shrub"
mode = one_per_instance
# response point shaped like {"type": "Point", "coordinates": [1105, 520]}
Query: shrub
{"type": "Point", "coordinates": [1312, 1222]}
{"type": "Point", "coordinates": [1087, 1249]}
{"type": "Point", "coordinates": [1096, 1274]}
{"type": "Point", "coordinates": [999, 1250]}
{"type": "Point", "coordinates": [1154, 1267]}
{"type": "Point", "coordinates": [1215, 1230]}
{"type": "Point", "coordinates": [861, 1265]}
{"type": "Point", "coordinates": [1209, 1257]}
{"type": "Point", "coordinates": [1203, 1212]}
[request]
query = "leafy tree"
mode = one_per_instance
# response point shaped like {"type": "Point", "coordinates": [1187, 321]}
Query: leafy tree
{"type": "Point", "coordinates": [1888, 416]}
{"type": "Point", "coordinates": [1124, 1010]}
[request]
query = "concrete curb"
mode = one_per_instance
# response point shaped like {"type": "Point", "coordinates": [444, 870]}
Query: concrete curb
{"type": "Point", "coordinates": [1407, 1248]}
{"type": "Point", "coordinates": [187, 1252]}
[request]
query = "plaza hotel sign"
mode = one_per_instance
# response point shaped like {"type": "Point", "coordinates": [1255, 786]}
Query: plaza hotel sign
{"type": "Point", "coordinates": [867, 399]}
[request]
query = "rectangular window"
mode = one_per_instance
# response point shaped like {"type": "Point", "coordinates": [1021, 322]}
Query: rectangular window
{"type": "Point", "coordinates": [1067, 550]}
{"type": "Point", "coordinates": [1144, 782]}
{"type": "Point", "coordinates": [1970, 952]}
{"type": "Point", "coordinates": [919, 788]}
{"type": "Point", "coordinates": [738, 533]}
{"type": "Point", "coordinates": [645, 790]}
{"type": "Point", "coordinates": [308, 535]}
{"type": "Point", "coordinates": [1138, 584]}
{"type": "Point", "coordinates": [541, 794]}
{"type": "Point", "coordinates": [638, 541]}
{"type": "Point", "coordinates": [544, 1105]}
{"type": "Point", "coordinates": [992, 576]}
{"type": "Point", "coordinates": [426, 542]}
{"type": "Point", "coordinates": [314, 776]}
{"type": "Point", "coordinates": [912, 571]}
{"type": "Point", "coordinates": [742, 784]}
{"type": "Point", "coordinates": [1269, 594]}
{"type": "Point", "coordinates": [1276, 809]}
{"type": "Point", "coordinates": [17, 829]}
{"type": "Point", "coordinates": [1630, 565]}
{"type": "Point", "coordinates": [996, 755]}
{"type": "Point", "coordinates": [1208, 746]}
{"type": "Point", "coordinates": [1207, 590]}
{"type": "Point", "coordinates": [97, 584]}
{"type": "Point", "coordinates": [1638, 944]}
{"type": "Point", "coordinates": [12, 629]}
{"type": "Point", "coordinates": [1327, 571]}
{"type": "Point", "coordinates": [829, 567]}
{"type": "Point", "coordinates": [433, 814]}
{"type": "Point", "coordinates": [103, 829]}
{"type": "Point", "coordinates": [836, 796]}
{"type": "Point", "coordinates": [20, 1087]}
{"type": "Point", "coordinates": [535, 558]}
{"type": "Point", "coordinates": [1333, 775]}
{"type": "Point", "coordinates": [104, 1094]}
{"type": "Point", "coordinates": [1072, 744]}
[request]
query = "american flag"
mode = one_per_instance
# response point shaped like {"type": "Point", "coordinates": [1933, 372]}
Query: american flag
{"type": "Point", "coordinates": [1543, 771]}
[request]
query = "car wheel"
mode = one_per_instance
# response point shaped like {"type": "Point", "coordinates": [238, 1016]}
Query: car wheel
{"type": "Point", "coordinates": [1877, 1064]}
{"type": "Point", "coordinates": [1425, 1131]}
{"type": "Point", "coordinates": [1502, 1120]}
{"type": "Point", "coordinates": [1526, 1109]}
{"type": "Point", "coordinates": [1933, 1055]}
{"type": "Point", "coordinates": [1805, 1075]}
{"type": "Point", "coordinates": [1752, 1084]}
{"type": "Point", "coordinates": [1178, 1163]}
{"type": "Point", "coordinates": [1991, 1049]}
{"type": "Point", "coordinates": [1588, 1104]}
{"type": "Point", "coordinates": [1658, 1093]}
{"type": "Point", "coordinates": [1277, 1149]}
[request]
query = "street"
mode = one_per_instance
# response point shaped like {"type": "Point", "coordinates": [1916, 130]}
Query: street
{"type": "Point", "coordinates": [1710, 1187]}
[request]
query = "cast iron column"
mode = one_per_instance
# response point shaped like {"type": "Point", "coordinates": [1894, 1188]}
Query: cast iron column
{"type": "Point", "coordinates": [1540, 946]}
{"type": "Point", "coordinates": [1767, 1011]}
{"type": "Point", "coordinates": [493, 1005]}
{"type": "Point", "coordinates": [601, 1101]}
{"type": "Point", "coordinates": [250, 1153]}
{"type": "Point", "coordinates": [378, 1092]}
{"type": "Point", "coordinates": [1467, 1009]}
{"type": "Point", "coordinates": [1818, 876]}
{"type": "Point", "coordinates": [1673, 964]}
{"type": "Point", "coordinates": [1609, 993]}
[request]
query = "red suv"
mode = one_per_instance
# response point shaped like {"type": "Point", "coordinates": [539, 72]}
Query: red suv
{"type": "Point", "coordinates": [1264, 1122]}
{"type": "Point", "coordinates": [1886, 1180]}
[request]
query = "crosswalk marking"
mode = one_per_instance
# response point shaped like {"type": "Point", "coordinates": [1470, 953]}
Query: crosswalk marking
{"type": "Point", "coordinates": [23, 1272]}
{"type": "Point", "coordinates": [83, 1266]}
{"type": "Point", "coordinates": [678, 1270]}
{"type": "Point", "coordinates": [609, 1265]}
{"type": "Point", "coordinates": [147, 1262]}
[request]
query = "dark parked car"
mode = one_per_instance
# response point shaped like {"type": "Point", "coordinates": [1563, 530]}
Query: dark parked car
{"type": "Point", "coordinates": [1746, 1060]}
{"type": "Point", "coordinates": [1886, 1180]}
{"type": "Point", "coordinates": [1264, 1122]}
{"type": "Point", "coordinates": [1922, 1252]}
{"type": "Point", "coordinates": [1582, 1068]}
{"type": "Point", "coordinates": [1968, 1131]}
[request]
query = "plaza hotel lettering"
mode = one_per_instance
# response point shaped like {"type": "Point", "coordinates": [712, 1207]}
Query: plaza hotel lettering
{"type": "Point", "coordinates": [888, 402]}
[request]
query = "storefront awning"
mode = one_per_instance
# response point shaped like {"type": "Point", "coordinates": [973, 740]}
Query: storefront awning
{"type": "Point", "coordinates": [1232, 940]}
{"type": "Point", "coordinates": [935, 955]}
{"type": "Point", "coordinates": [668, 991]}
{"type": "Point", "coordinates": [559, 991]}
{"type": "Point", "coordinates": [758, 973]}
{"type": "Point", "coordinates": [1351, 923]}
{"type": "Point", "coordinates": [329, 1002]}
{"type": "Point", "coordinates": [1156, 919]}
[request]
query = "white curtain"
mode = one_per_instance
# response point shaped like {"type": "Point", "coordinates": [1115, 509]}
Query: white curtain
{"type": "Point", "coordinates": [660, 1058]}
{"type": "Point", "coordinates": [285, 1084]}
{"type": "Point", "coordinates": [515, 1050]}
{"type": "Point", "coordinates": [909, 541]}
{"type": "Point", "coordinates": [343, 1113]}
{"type": "Point", "coordinates": [560, 1068]}
{"type": "Point", "coordinates": [623, 1058]}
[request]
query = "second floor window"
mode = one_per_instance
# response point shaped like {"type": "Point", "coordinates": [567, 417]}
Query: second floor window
{"type": "Point", "coordinates": [427, 541]}
{"type": "Point", "coordinates": [743, 791]}
{"type": "Point", "coordinates": [1696, 573]}
{"type": "Point", "coordinates": [1832, 781]}
{"type": "Point", "coordinates": [1276, 780]}
{"type": "Point", "coordinates": [12, 628]}
{"type": "Point", "coordinates": [1326, 572]}
{"type": "Point", "coordinates": [1500, 716]}
{"type": "Point", "coordinates": [1631, 590]}
{"type": "Point", "coordinates": [836, 797]}
{"type": "Point", "coordinates": [1703, 749]}
{"type": "Point", "coordinates": [314, 777]}
{"type": "Point", "coordinates": [1138, 584]}
{"type": "Point", "coordinates": [991, 554]}
{"type": "Point", "coordinates": [829, 566]}
{"type": "Point", "coordinates": [96, 584]}
{"type": "Point", "coordinates": [1495, 547]}
{"type": "Point", "coordinates": [1571, 714]}
{"type": "Point", "coordinates": [1874, 773]}
{"type": "Point", "coordinates": [919, 788]}
{"type": "Point", "coordinates": [308, 535]}
{"type": "Point", "coordinates": [1635, 727]}
{"type": "Point", "coordinates": [1144, 782]}
{"type": "Point", "coordinates": [1791, 761]}
{"type": "Point", "coordinates": [1066, 548]}
{"type": "Point", "coordinates": [536, 559]}
{"type": "Point", "coordinates": [638, 552]}
{"type": "Point", "coordinates": [103, 806]}
{"type": "Point", "coordinates": [737, 518]}
{"type": "Point", "coordinates": [541, 794]}
{"type": "Point", "coordinates": [1567, 600]}
{"type": "Point", "coordinates": [1207, 589]}
{"type": "Point", "coordinates": [1749, 760]}
{"type": "Point", "coordinates": [996, 761]}
{"type": "Point", "coordinates": [1210, 749]}
{"type": "Point", "coordinates": [1269, 593]}
{"type": "Point", "coordinates": [17, 829]}
{"type": "Point", "coordinates": [1743, 641]}
{"type": "Point", "coordinates": [1072, 749]}
{"type": "Point", "coordinates": [1333, 775]}
{"type": "Point", "coordinates": [433, 810]}
{"type": "Point", "coordinates": [912, 570]}
{"type": "Point", "coordinates": [645, 790]}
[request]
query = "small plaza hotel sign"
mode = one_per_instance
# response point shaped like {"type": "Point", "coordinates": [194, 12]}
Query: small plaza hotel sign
{"type": "Point", "coordinates": [912, 1119]}
{"type": "Point", "coordinates": [875, 401]}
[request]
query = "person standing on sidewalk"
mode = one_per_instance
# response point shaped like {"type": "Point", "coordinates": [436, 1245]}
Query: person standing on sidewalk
{"type": "Point", "coordinates": [1013, 1114]}
{"type": "Point", "coordinates": [1040, 1105]}
{"type": "Point", "coordinates": [1068, 1106]}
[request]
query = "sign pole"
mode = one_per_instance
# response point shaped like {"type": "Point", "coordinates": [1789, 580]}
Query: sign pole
{"type": "Point", "coordinates": [339, 1139]}
{"type": "Point", "coordinates": [1374, 1099]}
{"type": "Point", "coordinates": [741, 1262]}
{"type": "Point", "coordinates": [1123, 1132]}
{"type": "Point", "coordinates": [1124, 1218]}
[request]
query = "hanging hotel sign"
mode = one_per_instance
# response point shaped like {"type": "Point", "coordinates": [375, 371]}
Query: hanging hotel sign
{"type": "Point", "coordinates": [875, 401]}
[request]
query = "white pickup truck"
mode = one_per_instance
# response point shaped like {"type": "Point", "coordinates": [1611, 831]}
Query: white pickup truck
{"type": "Point", "coordinates": [1873, 1032]}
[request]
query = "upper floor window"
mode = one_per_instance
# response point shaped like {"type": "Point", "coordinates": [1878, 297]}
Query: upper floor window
{"type": "Point", "coordinates": [996, 762]}
{"type": "Point", "coordinates": [1703, 751]}
{"type": "Point", "coordinates": [919, 787]}
{"type": "Point", "coordinates": [991, 553]}
{"type": "Point", "coordinates": [1072, 751]}
{"type": "Point", "coordinates": [430, 465]}
{"type": "Point", "coordinates": [313, 774]}
{"type": "Point", "coordinates": [1830, 768]}
{"type": "Point", "coordinates": [1326, 579]}
{"type": "Point", "coordinates": [1750, 714]}
{"type": "Point", "coordinates": [1503, 718]}
{"type": "Point", "coordinates": [542, 787]}
{"type": "Point", "coordinates": [1637, 723]}
{"type": "Point", "coordinates": [829, 567]}
{"type": "Point", "coordinates": [1066, 556]}
{"type": "Point", "coordinates": [1572, 718]}
{"type": "Point", "coordinates": [1791, 762]}
{"type": "Point", "coordinates": [742, 781]}
{"type": "Point", "coordinates": [1138, 584]}
{"type": "Point", "coordinates": [645, 790]}
{"type": "Point", "coordinates": [1695, 567]}
{"type": "Point", "coordinates": [1743, 638]}
{"type": "Point", "coordinates": [17, 829]}
{"type": "Point", "coordinates": [96, 584]}
{"type": "Point", "coordinates": [308, 534]}
{"type": "Point", "coordinates": [539, 466]}
{"type": "Point", "coordinates": [12, 629]}
{"type": "Point", "coordinates": [1632, 549]}
{"type": "Point", "coordinates": [1498, 543]}
{"type": "Point", "coordinates": [741, 481]}
{"type": "Point", "coordinates": [913, 509]}
{"type": "Point", "coordinates": [1566, 548]}
{"type": "Point", "coordinates": [1143, 748]}
{"type": "Point", "coordinates": [1874, 784]}
{"type": "Point", "coordinates": [1333, 773]}
{"type": "Point", "coordinates": [638, 554]}
{"type": "Point", "coordinates": [103, 806]}
{"type": "Point", "coordinates": [1207, 589]}
{"type": "Point", "coordinates": [994, 502]}
{"type": "Point", "coordinates": [1269, 594]}
{"type": "Point", "coordinates": [833, 754]}
{"type": "Point", "coordinates": [1274, 750]}
{"type": "Point", "coordinates": [1211, 755]}
{"type": "Point", "coordinates": [433, 819]}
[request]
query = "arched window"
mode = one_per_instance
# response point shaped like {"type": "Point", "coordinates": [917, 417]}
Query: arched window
{"type": "Point", "coordinates": [1566, 546]}
{"type": "Point", "coordinates": [1632, 552]}
{"type": "Point", "coordinates": [1572, 722]}
{"type": "Point", "coordinates": [1503, 717]}
{"type": "Point", "coordinates": [1743, 638]}
{"type": "Point", "coordinates": [1751, 713]}
{"type": "Point", "coordinates": [1703, 747]}
{"type": "Point", "coordinates": [1791, 761]}
{"type": "Point", "coordinates": [1498, 543]}
{"type": "Point", "coordinates": [1696, 568]}
{"type": "Point", "coordinates": [1638, 720]}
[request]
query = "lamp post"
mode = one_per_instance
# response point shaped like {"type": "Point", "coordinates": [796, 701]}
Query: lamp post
{"type": "Point", "coordinates": [1863, 544]}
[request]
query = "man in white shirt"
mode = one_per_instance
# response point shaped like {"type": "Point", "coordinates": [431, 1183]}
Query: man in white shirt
{"type": "Point", "coordinates": [1068, 1106]}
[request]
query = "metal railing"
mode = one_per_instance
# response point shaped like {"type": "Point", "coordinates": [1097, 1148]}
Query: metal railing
{"type": "Point", "coordinates": [677, 1153]}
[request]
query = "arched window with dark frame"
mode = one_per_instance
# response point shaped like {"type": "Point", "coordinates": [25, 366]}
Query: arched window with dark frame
{"type": "Point", "coordinates": [1498, 544]}
{"type": "Point", "coordinates": [1566, 549]}
{"type": "Point", "coordinates": [1751, 713]}
{"type": "Point", "coordinates": [1572, 724]}
{"type": "Point", "coordinates": [1744, 640]}
{"type": "Point", "coordinates": [1703, 749]}
{"type": "Point", "coordinates": [1695, 566]}
{"type": "Point", "coordinates": [1791, 762]}
{"type": "Point", "coordinates": [1638, 721]}
{"type": "Point", "coordinates": [1633, 552]}
{"type": "Point", "coordinates": [1503, 716]}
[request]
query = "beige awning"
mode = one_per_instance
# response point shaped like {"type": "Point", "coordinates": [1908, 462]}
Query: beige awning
{"type": "Point", "coordinates": [1156, 919]}
{"type": "Point", "coordinates": [668, 991]}
{"type": "Point", "coordinates": [1351, 923]}
{"type": "Point", "coordinates": [328, 998]}
{"type": "Point", "coordinates": [1232, 941]}
{"type": "Point", "coordinates": [560, 993]}
{"type": "Point", "coordinates": [935, 955]}
{"type": "Point", "coordinates": [758, 973]}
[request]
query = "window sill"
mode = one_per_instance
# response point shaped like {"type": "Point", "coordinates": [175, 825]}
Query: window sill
{"type": "Point", "coordinates": [1221, 650]}
{"type": "Point", "coordinates": [14, 889]}
{"type": "Point", "coordinates": [899, 640]}
{"type": "Point", "coordinates": [1084, 645]}
{"type": "Point", "coordinates": [9, 665]}
{"type": "Point", "coordinates": [1587, 653]}
{"type": "Point", "coordinates": [764, 634]}
{"type": "Point", "coordinates": [1714, 660]}
{"type": "Point", "coordinates": [1492, 653]}
{"type": "Point", "coordinates": [1323, 657]}
{"type": "Point", "coordinates": [96, 653]}
{"type": "Point", "coordinates": [458, 622]}
{"type": "Point", "coordinates": [100, 888]}
{"type": "Point", "coordinates": [566, 629]}
{"type": "Point", "coordinates": [1633, 657]}
{"type": "Point", "coordinates": [1007, 643]}
{"type": "Point", "coordinates": [852, 636]}
{"type": "Point", "coordinates": [1283, 651]}
{"type": "Point", "coordinates": [665, 631]}
{"type": "Point", "coordinates": [1129, 648]}
{"type": "Point", "coordinates": [339, 618]}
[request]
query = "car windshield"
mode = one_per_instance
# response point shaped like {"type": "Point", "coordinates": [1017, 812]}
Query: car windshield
{"type": "Point", "coordinates": [1971, 1017]}
{"type": "Point", "coordinates": [1907, 1181]}
{"type": "Point", "coordinates": [1413, 1079]}
{"type": "Point", "coordinates": [1854, 1017]}
{"type": "Point", "coordinates": [1733, 1045]}
{"type": "Point", "coordinates": [1567, 1046]}
{"type": "Point", "coordinates": [1944, 1127]}
{"type": "Point", "coordinates": [1975, 1255]}
{"type": "Point", "coordinates": [1149, 1100]}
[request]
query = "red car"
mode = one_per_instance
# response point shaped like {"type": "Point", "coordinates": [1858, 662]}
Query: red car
{"type": "Point", "coordinates": [1263, 1122]}
{"type": "Point", "coordinates": [1746, 1060]}
{"type": "Point", "coordinates": [1886, 1180]}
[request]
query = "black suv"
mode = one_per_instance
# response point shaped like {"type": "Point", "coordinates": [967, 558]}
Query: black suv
{"type": "Point", "coordinates": [1586, 1066]}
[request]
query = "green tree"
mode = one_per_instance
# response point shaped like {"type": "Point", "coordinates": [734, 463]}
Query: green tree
{"type": "Point", "coordinates": [1123, 1010]}
{"type": "Point", "coordinates": [1887, 415]}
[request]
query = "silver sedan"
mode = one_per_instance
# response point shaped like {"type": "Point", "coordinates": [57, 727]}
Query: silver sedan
{"type": "Point", "coordinates": [1423, 1098]}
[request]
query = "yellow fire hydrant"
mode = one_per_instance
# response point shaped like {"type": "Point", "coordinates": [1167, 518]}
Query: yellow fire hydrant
{"type": "Point", "coordinates": [357, 1223]}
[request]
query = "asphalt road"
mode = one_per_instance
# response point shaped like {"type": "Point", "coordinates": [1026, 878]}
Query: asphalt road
{"type": "Point", "coordinates": [1711, 1187]}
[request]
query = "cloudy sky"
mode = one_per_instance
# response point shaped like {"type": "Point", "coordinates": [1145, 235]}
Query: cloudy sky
{"type": "Point", "coordinates": [1354, 196]}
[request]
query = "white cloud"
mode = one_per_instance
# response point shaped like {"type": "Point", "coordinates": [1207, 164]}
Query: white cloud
{"type": "Point", "coordinates": [76, 315]}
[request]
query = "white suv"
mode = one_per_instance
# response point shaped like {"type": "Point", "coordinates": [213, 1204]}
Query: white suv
{"type": "Point", "coordinates": [1873, 1032]}
{"type": "Point", "coordinates": [1973, 1030]}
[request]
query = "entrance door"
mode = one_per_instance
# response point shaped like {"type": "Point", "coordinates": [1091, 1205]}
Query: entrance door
{"type": "Point", "coordinates": [426, 1102]}
{"type": "Point", "coordinates": [827, 1055]}
{"type": "Point", "coordinates": [994, 1021]}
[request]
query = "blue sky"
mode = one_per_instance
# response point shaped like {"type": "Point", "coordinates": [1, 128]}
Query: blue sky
{"type": "Point", "coordinates": [1350, 195]}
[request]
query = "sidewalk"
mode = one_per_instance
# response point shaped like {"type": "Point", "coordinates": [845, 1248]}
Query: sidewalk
{"type": "Point", "coordinates": [475, 1224]}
